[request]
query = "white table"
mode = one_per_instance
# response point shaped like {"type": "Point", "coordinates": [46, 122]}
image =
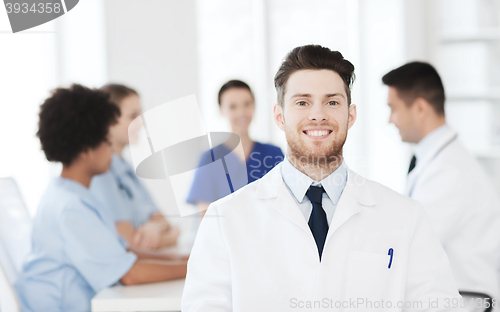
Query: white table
{"type": "Point", "coordinates": [164, 296]}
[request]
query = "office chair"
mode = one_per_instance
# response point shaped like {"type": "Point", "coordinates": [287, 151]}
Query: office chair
{"type": "Point", "coordinates": [15, 228]}
{"type": "Point", "coordinates": [15, 240]}
{"type": "Point", "coordinates": [8, 296]}
{"type": "Point", "coordinates": [477, 302]}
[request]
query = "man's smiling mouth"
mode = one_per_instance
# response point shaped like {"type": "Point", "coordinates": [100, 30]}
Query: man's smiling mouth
{"type": "Point", "coordinates": [317, 133]}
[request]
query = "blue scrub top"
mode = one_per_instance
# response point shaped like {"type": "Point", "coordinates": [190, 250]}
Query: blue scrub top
{"type": "Point", "coordinates": [123, 193]}
{"type": "Point", "coordinates": [207, 188]}
{"type": "Point", "coordinates": [76, 251]}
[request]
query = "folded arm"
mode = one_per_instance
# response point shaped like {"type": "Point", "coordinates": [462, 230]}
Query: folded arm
{"type": "Point", "coordinates": [154, 234]}
{"type": "Point", "coordinates": [151, 271]}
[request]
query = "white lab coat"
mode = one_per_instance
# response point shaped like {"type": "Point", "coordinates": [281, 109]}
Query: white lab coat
{"type": "Point", "coordinates": [464, 211]}
{"type": "Point", "coordinates": [254, 252]}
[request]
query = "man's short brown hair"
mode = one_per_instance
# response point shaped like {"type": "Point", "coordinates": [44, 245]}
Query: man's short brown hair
{"type": "Point", "coordinates": [313, 57]}
{"type": "Point", "coordinates": [417, 80]}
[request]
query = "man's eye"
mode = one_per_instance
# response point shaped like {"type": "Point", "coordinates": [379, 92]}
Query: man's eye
{"type": "Point", "coordinates": [302, 103]}
{"type": "Point", "coordinates": [333, 103]}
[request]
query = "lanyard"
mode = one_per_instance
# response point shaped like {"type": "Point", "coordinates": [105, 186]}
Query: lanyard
{"type": "Point", "coordinates": [125, 188]}
{"type": "Point", "coordinates": [122, 186]}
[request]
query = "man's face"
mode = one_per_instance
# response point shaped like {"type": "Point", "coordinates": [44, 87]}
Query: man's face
{"type": "Point", "coordinates": [315, 116]}
{"type": "Point", "coordinates": [403, 117]}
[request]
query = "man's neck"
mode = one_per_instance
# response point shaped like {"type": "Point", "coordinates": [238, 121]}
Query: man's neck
{"type": "Point", "coordinates": [430, 126]}
{"type": "Point", "coordinates": [316, 171]}
{"type": "Point", "coordinates": [77, 173]}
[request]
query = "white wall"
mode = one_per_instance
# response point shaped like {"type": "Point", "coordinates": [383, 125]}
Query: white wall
{"type": "Point", "coordinates": [169, 49]}
{"type": "Point", "coordinates": [382, 23]}
{"type": "Point", "coordinates": [151, 47]}
{"type": "Point", "coordinates": [228, 46]}
{"type": "Point", "coordinates": [25, 80]}
{"type": "Point", "coordinates": [81, 45]}
{"type": "Point", "coordinates": [68, 49]}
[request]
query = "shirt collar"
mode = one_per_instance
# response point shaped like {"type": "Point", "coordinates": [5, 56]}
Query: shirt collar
{"type": "Point", "coordinates": [119, 166]}
{"type": "Point", "coordinates": [425, 148]}
{"type": "Point", "coordinates": [76, 188]}
{"type": "Point", "coordinates": [299, 183]}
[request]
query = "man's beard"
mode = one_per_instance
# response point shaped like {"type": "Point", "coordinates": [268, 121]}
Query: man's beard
{"type": "Point", "coordinates": [328, 156]}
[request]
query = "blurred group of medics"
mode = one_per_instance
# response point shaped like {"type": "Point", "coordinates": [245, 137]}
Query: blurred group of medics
{"type": "Point", "coordinates": [97, 225]}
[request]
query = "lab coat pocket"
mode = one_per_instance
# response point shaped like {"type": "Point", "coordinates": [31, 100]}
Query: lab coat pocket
{"type": "Point", "coordinates": [371, 278]}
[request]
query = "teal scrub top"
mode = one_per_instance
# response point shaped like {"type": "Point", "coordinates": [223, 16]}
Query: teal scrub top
{"type": "Point", "coordinates": [76, 251]}
{"type": "Point", "coordinates": [121, 191]}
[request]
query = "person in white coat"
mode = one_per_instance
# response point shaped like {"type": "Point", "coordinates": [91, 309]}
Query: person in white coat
{"type": "Point", "coordinates": [454, 190]}
{"type": "Point", "coordinates": [312, 234]}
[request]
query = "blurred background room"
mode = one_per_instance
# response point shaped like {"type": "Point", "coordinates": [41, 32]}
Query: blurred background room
{"type": "Point", "coordinates": [168, 49]}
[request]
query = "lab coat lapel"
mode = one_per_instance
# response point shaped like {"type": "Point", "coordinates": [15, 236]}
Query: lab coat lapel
{"type": "Point", "coordinates": [273, 186]}
{"type": "Point", "coordinates": [423, 163]}
{"type": "Point", "coordinates": [286, 206]}
{"type": "Point", "coordinates": [356, 194]}
{"type": "Point", "coordinates": [412, 176]}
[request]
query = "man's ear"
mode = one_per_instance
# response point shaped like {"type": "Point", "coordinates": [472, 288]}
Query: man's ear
{"type": "Point", "coordinates": [279, 119]}
{"type": "Point", "coordinates": [421, 107]}
{"type": "Point", "coordinates": [353, 114]}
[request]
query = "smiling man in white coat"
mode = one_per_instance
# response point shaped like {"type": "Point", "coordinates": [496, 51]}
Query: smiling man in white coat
{"type": "Point", "coordinates": [454, 190]}
{"type": "Point", "coordinates": [312, 234]}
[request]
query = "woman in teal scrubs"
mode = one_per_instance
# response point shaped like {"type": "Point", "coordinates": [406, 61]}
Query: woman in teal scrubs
{"type": "Point", "coordinates": [133, 209]}
{"type": "Point", "coordinates": [237, 104]}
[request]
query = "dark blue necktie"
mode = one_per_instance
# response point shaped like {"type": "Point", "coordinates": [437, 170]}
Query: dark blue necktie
{"type": "Point", "coordinates": [413, 163]}
{"type": "Point", "coordinates": [317, 221]}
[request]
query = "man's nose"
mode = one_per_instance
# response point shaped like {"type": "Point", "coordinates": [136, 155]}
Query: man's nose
{"type": "Point", "coordinates": [317, 112]}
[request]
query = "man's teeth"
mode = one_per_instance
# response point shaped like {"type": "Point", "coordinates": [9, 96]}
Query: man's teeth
{"type": "Point", "coordinates": [317, 132]}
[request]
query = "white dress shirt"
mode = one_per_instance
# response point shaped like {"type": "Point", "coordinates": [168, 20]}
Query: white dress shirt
{"type": "Point", "coordinates": [298, 184]}
{"type": "Point", "coordinates": [429, 145]}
